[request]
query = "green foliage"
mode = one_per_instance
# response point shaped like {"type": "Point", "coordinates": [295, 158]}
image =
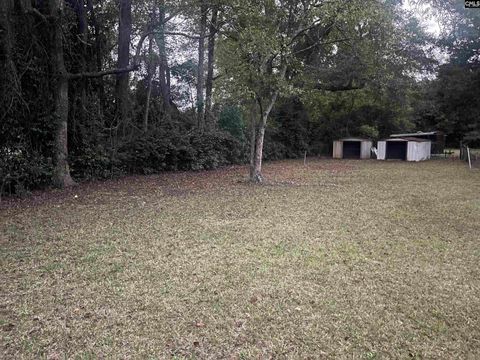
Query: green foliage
{"type": "Point", "coordinates": [450, 102]}
{"type": "Point", "coordinates": [368, 131]}
{"type": "Point", "coordinates": [159, 152]}
{"type": "Point", "coordinates": [21, 171]}
{"type": "Point", "coordinates": [231, 120]}
{"type": "Point", "coordinates": [457, 89]}
{"type": "Point", "coordinates": [288, 135]}
{"type": "Point", "coordinates": [92, 162]}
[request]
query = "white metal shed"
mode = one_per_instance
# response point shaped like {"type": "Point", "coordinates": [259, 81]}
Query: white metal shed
{"type": "Point", "coordinates": [352, 148]}
{"type": "Point", "coordinates": [406, 148]}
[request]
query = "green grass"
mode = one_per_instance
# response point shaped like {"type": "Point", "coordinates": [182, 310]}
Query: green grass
{"type": "Point", "coordinates": [338, 259]}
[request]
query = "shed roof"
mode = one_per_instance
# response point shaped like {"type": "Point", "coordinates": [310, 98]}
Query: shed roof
{"type": "Point", "coordinates": [414, 139]}
{"type": "Point", "coordinates": [418, 133]}
{"type": "Point", "coordinates": [353, 139]}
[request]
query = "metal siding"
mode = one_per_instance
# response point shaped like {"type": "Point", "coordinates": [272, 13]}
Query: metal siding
{"type": "Point", "coordinates": [365, 150]}
{"type": "Point", "coordinates": [381, 150]}
{"type": "Point", "coordinates": [428, 150]}
{"type": "Point", "coordinates": [419, 151]}
{"type": "Point", "coordinates": [338, 149]}
{"type": "Point", "coordinates": [411, 151]}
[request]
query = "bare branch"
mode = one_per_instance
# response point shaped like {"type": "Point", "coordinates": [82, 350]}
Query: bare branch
{"type": "Point", "coordinates": [193, 37]}
{"type": "Point", "coordinates": [103, 73]}
{"type": "Point", "coordinates": [134, 66]}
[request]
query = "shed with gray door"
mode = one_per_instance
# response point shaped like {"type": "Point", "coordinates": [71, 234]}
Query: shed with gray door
{"type": "Point", "coordinates": [352, 148]}
{"type": "Point", "coordinates": [406, 148]}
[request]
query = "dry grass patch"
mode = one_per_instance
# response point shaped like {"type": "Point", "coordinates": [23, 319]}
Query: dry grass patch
{"type": "Point", "coordinates": [338, 259]}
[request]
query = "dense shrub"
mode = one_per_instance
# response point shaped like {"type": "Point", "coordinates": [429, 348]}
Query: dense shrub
{"type": "Point", "coordinates": [92, 162]}
{"type": "Point", "coordinates": [231, 120]}
{"type": "Point", "coordinates": [155, 153]}
{"type": "Point", "coordinates": [21, 171]}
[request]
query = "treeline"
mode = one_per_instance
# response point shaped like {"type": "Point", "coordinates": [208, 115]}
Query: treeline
{"type": "Point", "coordinates": [95, 89]}
{"type": "Point", "coordinates": [449, 102]}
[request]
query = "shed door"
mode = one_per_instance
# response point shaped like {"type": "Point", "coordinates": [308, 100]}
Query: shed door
{"type": "Point", "coordinates": [397, 150]}
{"type": "Point", "coordinates": [351, 149]}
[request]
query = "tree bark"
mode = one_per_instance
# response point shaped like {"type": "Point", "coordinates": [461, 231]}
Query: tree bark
{"type": "Point", "coordinates": [208, 119]}
{"type": "Point", "coordinates": [201, 65]}
{"type": "Point", "coordinates": [6, 62]}
{"type": "Point", "coordinates": [150, 74]}
{"type": "Point", "coordinates": [124, 36]}
{"type": "Point", "coordinates": [5, 31]}
{"type": "Point", "coordinates": [98, 58]}
{"type": "Point", "coordinates": [83, 36]}
{"type": "Point", "coordinates": [163, 69]}
{"type": "Point", "coordinates": [253, 135]}
{"type": "Point", "coordinates": [256, 174]}
{"type": "Point", "coordinates": [61, 173]}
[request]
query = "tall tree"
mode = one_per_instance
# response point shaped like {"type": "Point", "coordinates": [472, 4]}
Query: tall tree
{"type": "Point", "coordinates": [201, 65]}
{"type": "Point", "coordinates": [287, 47]}
{"type": "Point", "coordinates": [61, 174]}
{"type": "Point", "coordinates": [151, 65]}
{"type": "Point", "coordinates": [8, 73]}
{"type": "Point", "coordinates": [163, 67]}
{"type": "Point", "coordinates": [123, 59]}
{"type": "Point", "coordinates": [208, 118]}
{"type": "Point", "coordinates": [98, 51]}
{"type": "Point", "coordinates": [455, 108]}
{"type": "Point", "coordinates": [53, 20]}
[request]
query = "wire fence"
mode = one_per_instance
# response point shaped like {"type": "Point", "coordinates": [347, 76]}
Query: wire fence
{"type": "Point", "coordinates": [471, 156]}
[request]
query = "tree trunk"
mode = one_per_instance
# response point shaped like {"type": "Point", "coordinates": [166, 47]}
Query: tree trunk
{"type": "Point", "coordinates": [257, 176]}
{"type": "Point", "coordinates": [201, 65]}
{"type": "Point", "coordinates": [209, 123]}
{"type": "Point", "coordinates": [61, 173]}
{"type": "Point", "coordinates": [150, 73]}
{"type": "Point", "coordinates": [121, 86]}
{"type": "Point", "coordinates": [5, 32]}
{"type": "Point", "coordinates": [253, 134]}
{"type": "Point", "coordinates": [98, 60]}
{"type": "Point", "coordinates": [164, 71]}
{"type": "Point", "coordinates": [83, 35]}
{"type": "Point", "coordinates": [256, 170]}
{"type": "Point", "coordinates": [6, 62]}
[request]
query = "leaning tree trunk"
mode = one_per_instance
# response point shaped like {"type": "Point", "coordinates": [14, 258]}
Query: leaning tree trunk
{"type": "Point", "coordinates": [121, 86]}
{"type": "Point", "coordinates": [201, 65]}
{"type": "Point", "coordinates": [208, 119]}
{"type": "Point", "coordinates": [61, 173]}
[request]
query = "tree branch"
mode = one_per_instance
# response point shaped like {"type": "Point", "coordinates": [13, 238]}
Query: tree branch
{"type": "Point", "coordinates": [98, 74]}
{"type": "Point", "coordinates": [134, 66]}
{"type": "Point", "coordinates": [193, 37]}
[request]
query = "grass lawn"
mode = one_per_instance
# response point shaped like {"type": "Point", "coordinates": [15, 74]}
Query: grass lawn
{"type": "Point", "coordinates": [338, 259]}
